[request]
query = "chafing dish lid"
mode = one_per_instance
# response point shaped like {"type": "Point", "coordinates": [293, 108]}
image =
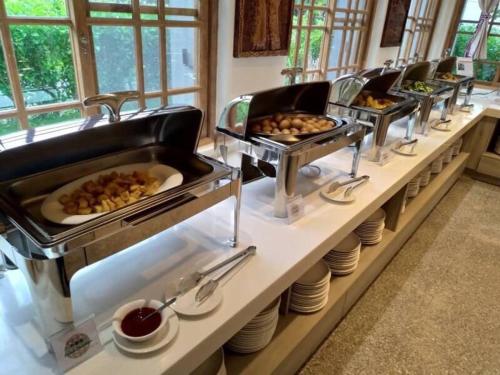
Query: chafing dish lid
{"type": "Point", "coordinates": [446, 65]}
{"type": "Point", "coordinates": [310, 97]}
{"type": "Point", "coordinates": [346, 88]}
{"type": "Point", "coordinates": [417, 72]}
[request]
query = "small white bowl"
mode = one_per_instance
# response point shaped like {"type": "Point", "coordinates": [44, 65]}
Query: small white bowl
{"type": "Point", "coordinates": [125, 309]}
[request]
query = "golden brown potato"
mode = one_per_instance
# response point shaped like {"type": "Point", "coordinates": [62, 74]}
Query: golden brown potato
{"type": "Point", "coordinates": [278, 117]}
{"type": "Point", "coordinates": [284, 124]}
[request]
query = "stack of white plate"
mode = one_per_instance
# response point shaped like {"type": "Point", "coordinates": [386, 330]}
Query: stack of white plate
{"type": "Point", "coordinates": [213, 365]}
{"type": "Point", "coordinates": [413, 187]}
{"type": "Point", "coordinates": [457, 146]}
{"type": "Point", "coordinates": [258, 332]}
{"type": "Point", "coordinates": [425, 177]}
{"type": "Point", "coordinates": [343, 258]}
{"type": "Point", "coordinates": [310, 292]}
{"type": "Point", "coordinates": [370, 231]}
{"type": "Point", "coordinates": [437, 165]}
{"type": "Point", "coordinates": [448, 155]}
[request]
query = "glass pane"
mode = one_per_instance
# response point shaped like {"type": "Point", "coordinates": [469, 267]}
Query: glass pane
{"type": "Point", "coordinates": [188, 99]}
{"type": "Point", "coordinates": [45, 63]}
{"type": "Point", "coordinates": [460, 44]}
{"type": "Point", "coordinates": [115, 58]}
{"type": "Point", "coordinates": [347, 43]}
{"type": "Point", "coordinates": [335, 42]}
{"type": "Point", "coordinates": [305, 17]}
{"type": "Point", "coordinates": [9, 125]}
{"type": "Point", "coordinates": [295, 17]}
{"type": "Point", "coordinates": [130, 106]}
{"type": "Point", "coordinates": [362, 4]}
{"type": "Point", "coordinates": [467, 27]}
{"type": "Point", "coordinates": [50, 118]}
{"type": "Point", "coordinates": [97, 14]}
{"type": "Point", "coordinates": [355, 47]}
{"type": "Point", "coordinates": [36, 8]}
{"type": "Point", "coordinates": [321, 3]}
{"type": "Point", "coordinates": [153, 103]}
{"type": "Point", "coordinates": [302, 47]}
{"type": "Point", "coordinates": [493, 48]}
{"type": "Point", "coordinates": [112, 1]}
{"type": "Point", "coordinates": [330, 76]}
{"type": "Point", "coordinates": [151, 58]}
{"type": "Point", "coordinates": [423, 8]}
{"type": "Point", "coordinates": [472, 11]}
{"type": "Point", "coordinates": [495, 30]}
{"type": "Point", "coordinates": [319, 18]}
{"type": "Point", "coordinates": [175, 17]}
{"type": "Point", "coordinates": [6, 100]}
{"type": "Point", "coordinates": [316, 39]}
{"type": "Point", "coordinates": [485, 72]}
{"type": "Point", "coordinates": [341, 19]}
{"type": "Point", "coordinates": [148, 16]}
{"type": "Point", "coordinates": [182, 56]}
{"type": "Point", "coordinates": [181, 3]}
{"type": "Point", "coordinates": [341, 4]}
{"type": "Point", "coordinates": [148, 2]}
{"type": "Point", "coordinates": [293, 48]}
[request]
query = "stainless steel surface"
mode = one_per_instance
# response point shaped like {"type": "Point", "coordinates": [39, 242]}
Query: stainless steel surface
{"type": "Point", "coordinates": [441, 93]}
{"type": "Point", "coordinates": [350, 189]}
{"type": "Point", "coordinates": [207, 289]}
{"type": "Point", "coordinates": [260, 156]}
{"type": "Point", "coordinates": [160, 309]}
{"type": "Point", "coordinates": [447, 65]}
{"type": "Point", "coordinates": [113, 102]}
{"type": "Point", "coordinates": [190, 281]}
{"type": "Point", "coordinates": [378, 81]}
{"type": "Point", "coordinates": [50, 254]}
{"type": "Point", "coordinates": [292, 73]}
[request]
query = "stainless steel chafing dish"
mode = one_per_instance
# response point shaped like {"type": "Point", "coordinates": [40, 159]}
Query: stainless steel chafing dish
{"type": "Point", "coordinates": [447, 65]}
{"type": "Point", "coordinates": [441, 93]}
{"type": "Point", "coordinates": [261, 156]}
{"type": "Point", "coordinates": [376, 82]}
{"type": "Point", "coordinates": [50, 254]}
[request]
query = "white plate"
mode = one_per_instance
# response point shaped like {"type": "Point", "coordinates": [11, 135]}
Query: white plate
{"type": "Point", "coordinates": [187, 306]}
{"type": "Point", "coordinates": [161, 339]}
{"type": "Point", "coordinates": [314, 275]}
{"type": "Point", "coordinates": [337, 196]}
{"type": "Point", "coordinates": [53, 210]}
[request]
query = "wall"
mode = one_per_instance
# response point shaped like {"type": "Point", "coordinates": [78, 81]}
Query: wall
{"type": "Point", "coordinates": [443, 24]}
{"type": "Point", "coordinates": [242, 75]}
{"type": "Point", "coordinates": [376, 55]}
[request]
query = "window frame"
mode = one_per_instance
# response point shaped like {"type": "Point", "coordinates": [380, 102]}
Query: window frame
{"type": "Point", "coordinates": [349, 26]}
{"type": "Point", "coordinates": [80, 22]}
{"type": "Point", "coordinates": [423, 27]}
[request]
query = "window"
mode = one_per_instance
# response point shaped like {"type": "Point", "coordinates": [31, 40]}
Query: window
{"type": "Point", "coordinates": [486, 70]}
{"type": "Point", "coordinates": [418, 31]}
{"type": "Point", "coordinates": [328, 37]}
{"type": "Point", "coordinates": [57, 52]}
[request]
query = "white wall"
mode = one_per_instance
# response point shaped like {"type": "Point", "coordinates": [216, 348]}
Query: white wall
{"type": "Point", "coordinates": [443, 23]}
{"type": "Point", "coordinates": [376, 55]}
{"type": "Point", "coordinates": [242, 75]}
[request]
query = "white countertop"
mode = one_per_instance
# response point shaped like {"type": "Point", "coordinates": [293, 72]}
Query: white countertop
{"type": "Point", "coordinates": [284, 252]}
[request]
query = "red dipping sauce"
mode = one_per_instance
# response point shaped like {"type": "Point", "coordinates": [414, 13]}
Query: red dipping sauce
{"type": "Point", "coordinates": [133, 325]}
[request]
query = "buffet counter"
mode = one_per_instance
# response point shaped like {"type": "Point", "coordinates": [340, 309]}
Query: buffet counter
{"type": "Point", "coordinates": [284, 252]}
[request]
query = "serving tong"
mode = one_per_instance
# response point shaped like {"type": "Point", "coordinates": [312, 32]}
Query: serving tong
{"type": "Point", "coordinates": [337, 184]}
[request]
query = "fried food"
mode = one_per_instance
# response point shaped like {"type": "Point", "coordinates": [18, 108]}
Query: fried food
{"type": "Point", "coordinates": [110, 192]}
{"type": "Point", "coordinates": [292, 124]}
{"type": "Point", "coordinates": [448, 77]}
{"type": "Point", "coordinates": [367, 100]}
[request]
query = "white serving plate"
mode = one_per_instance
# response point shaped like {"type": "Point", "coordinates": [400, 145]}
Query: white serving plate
{"type": "Point", "coordinates": [187, 305]}
{"type": "Point", "coordinates": [53, 210]}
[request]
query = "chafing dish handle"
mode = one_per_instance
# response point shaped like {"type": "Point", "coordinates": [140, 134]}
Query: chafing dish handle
{"type": "Point", "coordinates": [151, 213]}
{"type": "Point", "coordinates": [365, 123]}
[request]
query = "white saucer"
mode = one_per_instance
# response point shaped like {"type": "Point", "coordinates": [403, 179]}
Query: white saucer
{"type": "Point", "coordinates": [187, 306]}
{"type": "Point", "coordinates": [162, 338]}
{"type": "Point", "coordinates": [337, 196]}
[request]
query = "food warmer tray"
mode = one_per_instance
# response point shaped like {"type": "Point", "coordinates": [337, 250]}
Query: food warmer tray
{"type": "Point", "coordinates": [447, 65]}
{"type": "Point", "coordinates": [50, 254]}
{"type": "Point", "coordinates": [420, 71]}
{"type": "Point", "coordinates": [260, 156]}
{"type": "Point", "coordinates": [379, 81]}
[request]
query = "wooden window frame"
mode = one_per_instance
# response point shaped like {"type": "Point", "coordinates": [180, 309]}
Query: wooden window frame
{"type": "Point", "coordinates": [350, 24]}
{"type": "Point", "coordinates": [420, 27]}
{"type": "Point", "coordinates": [80, 22]}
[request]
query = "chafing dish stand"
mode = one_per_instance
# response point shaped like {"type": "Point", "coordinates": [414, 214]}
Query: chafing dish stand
{"type": "Point", "coordinates": [261, 156]}
{"type": "Point", "coordinates": [376, 82]}
{"type": "Point", "coordinates": [50, 254]}
{"type": "Point", "coordinates": [441, 93]}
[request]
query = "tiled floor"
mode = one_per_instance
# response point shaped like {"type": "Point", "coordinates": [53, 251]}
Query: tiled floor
{"type": "Point", "coordinates": [436, 307]}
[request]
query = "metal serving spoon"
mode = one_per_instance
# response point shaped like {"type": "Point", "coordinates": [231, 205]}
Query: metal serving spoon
{"type": "Point", "coordinates": [190, 281]}
{"type": "Point", "coordinates": [160, 309]}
